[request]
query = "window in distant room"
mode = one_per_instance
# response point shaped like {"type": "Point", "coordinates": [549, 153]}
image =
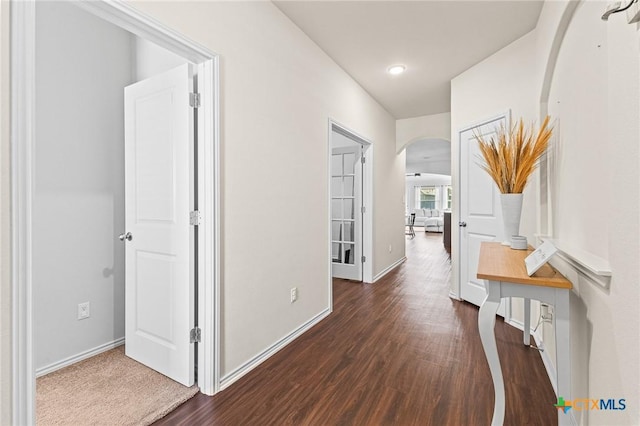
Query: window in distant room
{"type": "Point", "coordinates": [426, 197]}
{"type": "Point", "coordinates": [448, 199]}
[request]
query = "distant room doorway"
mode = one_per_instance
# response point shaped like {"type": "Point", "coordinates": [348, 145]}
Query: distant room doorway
{"type": "Point", "coordinates": [349, 187]}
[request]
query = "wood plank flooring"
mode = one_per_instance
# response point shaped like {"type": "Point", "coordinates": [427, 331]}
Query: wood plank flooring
{"type": "Point", "coordinates": [398, 352]}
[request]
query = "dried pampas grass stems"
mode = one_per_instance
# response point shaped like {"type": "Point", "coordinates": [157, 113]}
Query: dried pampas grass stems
{"type": "Point", "coordinates": [510, 157]}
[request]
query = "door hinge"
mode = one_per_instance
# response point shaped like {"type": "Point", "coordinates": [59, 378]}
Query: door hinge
{"type": "Point", "coordinates": [363, 209]}
{"type": "Point", "coordinates": [194, 218]}
{"type": "Point", "coordinates": [194, 100]}
{"type": "Point", "coordinates": [363, 259]}
{"type": "Point", "coordinates": [363, 160]}
{"type": "Point", "coordinates": [194, 335]}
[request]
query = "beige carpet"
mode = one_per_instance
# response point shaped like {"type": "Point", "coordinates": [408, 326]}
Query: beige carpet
{"type": "Point", "coordinates": [107, 389]}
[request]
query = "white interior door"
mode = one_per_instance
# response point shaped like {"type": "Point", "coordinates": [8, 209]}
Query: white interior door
{"type": "Point", "coordinates": [480, 211]}
{"type": "Point", "coordinates": [346, 212]}
{"type": "Point", "coordinates": [159, 196]}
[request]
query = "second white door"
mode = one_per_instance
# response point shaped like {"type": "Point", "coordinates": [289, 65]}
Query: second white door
{"type": "Point", "coordinates": [159, 295]}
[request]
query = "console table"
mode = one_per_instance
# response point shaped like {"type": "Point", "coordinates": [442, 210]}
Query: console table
{"type": "Point", "coordinates": [505, 275]}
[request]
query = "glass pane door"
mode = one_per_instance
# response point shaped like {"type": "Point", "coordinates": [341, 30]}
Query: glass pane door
{"type": "Point", "coordinates": [346, 214]}
{"type": "Point", "coordinates": [343, 207]}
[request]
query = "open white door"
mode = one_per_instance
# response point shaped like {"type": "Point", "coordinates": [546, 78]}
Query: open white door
{"type": "Point", "coordinates": [159, 239]}
{"type": "Point", "coordinates": [480, 212]}
{"type": "Point", "coordinates": [346, 212]}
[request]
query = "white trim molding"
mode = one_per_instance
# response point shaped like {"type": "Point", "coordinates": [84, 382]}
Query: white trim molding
{"type": "Point", "coordinates": [22, 147]}
{"type": "Point", "coordinates": [209, 316]}
{"type": "Point", "coordinates": [249, 365]}
{"type": "Point", "coordinates": [590, 266]}
{"type": "Point", "coordinates": [79, 357]}
{"type": "Point", "coordinates": [389, 268]}
{"type": "Point", "coordinates": [22, 134]}
{"type": "Point", "coordinates": [144, 26]}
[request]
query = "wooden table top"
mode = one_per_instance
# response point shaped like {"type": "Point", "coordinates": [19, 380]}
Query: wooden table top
{"type": "Point", "coordinates": [501, 263]}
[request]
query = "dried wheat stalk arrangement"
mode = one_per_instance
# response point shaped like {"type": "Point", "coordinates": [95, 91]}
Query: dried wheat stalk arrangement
{"type": "Point", "coordinates": [511, 156]}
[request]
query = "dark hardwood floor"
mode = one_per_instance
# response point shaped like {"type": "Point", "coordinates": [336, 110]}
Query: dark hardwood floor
{"type": "Point", "coordinates": [398, 352]}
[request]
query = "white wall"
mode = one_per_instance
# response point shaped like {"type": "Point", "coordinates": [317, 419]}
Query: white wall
{"type": "Point", "coordinates": [83, 66]}
{"type": "Point", "coordinates": [5, 229]}
{"type": "Point", "coordinates": [435, 126]}
{"type": "Point", "coordinates": [595, 95]}
{"type": "Point", "coordinates": [278, 90]}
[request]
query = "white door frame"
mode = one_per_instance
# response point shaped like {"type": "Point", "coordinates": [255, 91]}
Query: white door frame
{"type": "Point", "coordinates": [23, 29]}
{"type": "Point", "coordinates": [367, 200]}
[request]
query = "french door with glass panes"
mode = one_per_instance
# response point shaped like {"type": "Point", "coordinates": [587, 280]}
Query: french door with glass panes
{"type": "Point", "coordinates": [346, 212]}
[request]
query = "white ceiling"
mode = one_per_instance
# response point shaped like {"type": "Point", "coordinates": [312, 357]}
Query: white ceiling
{"type": "Point", "coordinates": [436, 40]}
{"type": "Point", "coordinates": [429, 156]}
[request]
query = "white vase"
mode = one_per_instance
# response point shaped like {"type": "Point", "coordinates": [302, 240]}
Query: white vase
{"type": "Point", "coordinates": [511, 211]}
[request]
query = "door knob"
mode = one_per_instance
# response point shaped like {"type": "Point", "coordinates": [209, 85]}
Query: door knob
{"type": "Point", "coordinates": [462, 224]}
{"type": "Point", "coordinates": [126, 236]}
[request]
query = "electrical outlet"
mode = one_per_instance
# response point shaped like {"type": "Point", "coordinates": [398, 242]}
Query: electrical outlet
{"type": "Point", "coordinates": [294, 294]}
{"type": "Point", "coordinates": [390, 248]}
{"type": "Point", "coordinates": [84, 310]}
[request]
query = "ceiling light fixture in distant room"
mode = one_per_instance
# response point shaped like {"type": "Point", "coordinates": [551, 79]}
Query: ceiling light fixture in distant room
{"type": "Point", "coordinates": [396, 69]}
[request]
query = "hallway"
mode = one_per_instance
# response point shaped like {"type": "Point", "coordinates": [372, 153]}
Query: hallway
{"type": "Point", "coordinates": [398, 352]}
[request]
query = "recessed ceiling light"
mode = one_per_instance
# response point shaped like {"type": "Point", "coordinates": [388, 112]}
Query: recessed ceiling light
{"type": "Point", "coordinates": [396, 69]}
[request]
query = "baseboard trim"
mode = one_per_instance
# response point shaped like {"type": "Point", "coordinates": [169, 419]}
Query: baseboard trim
{"type": "Point", "coordinates": [79, 357]}
{"type": "Point", "coordinates": [245, 368]}
{"type": "Point", "coordinates": [516, 324]}
{"type": "Point", "coordinates": [389, 268]}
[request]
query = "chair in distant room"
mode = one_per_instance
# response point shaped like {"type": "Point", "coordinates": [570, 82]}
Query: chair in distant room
{"type": "Point", "coordinates": [410, 223]}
